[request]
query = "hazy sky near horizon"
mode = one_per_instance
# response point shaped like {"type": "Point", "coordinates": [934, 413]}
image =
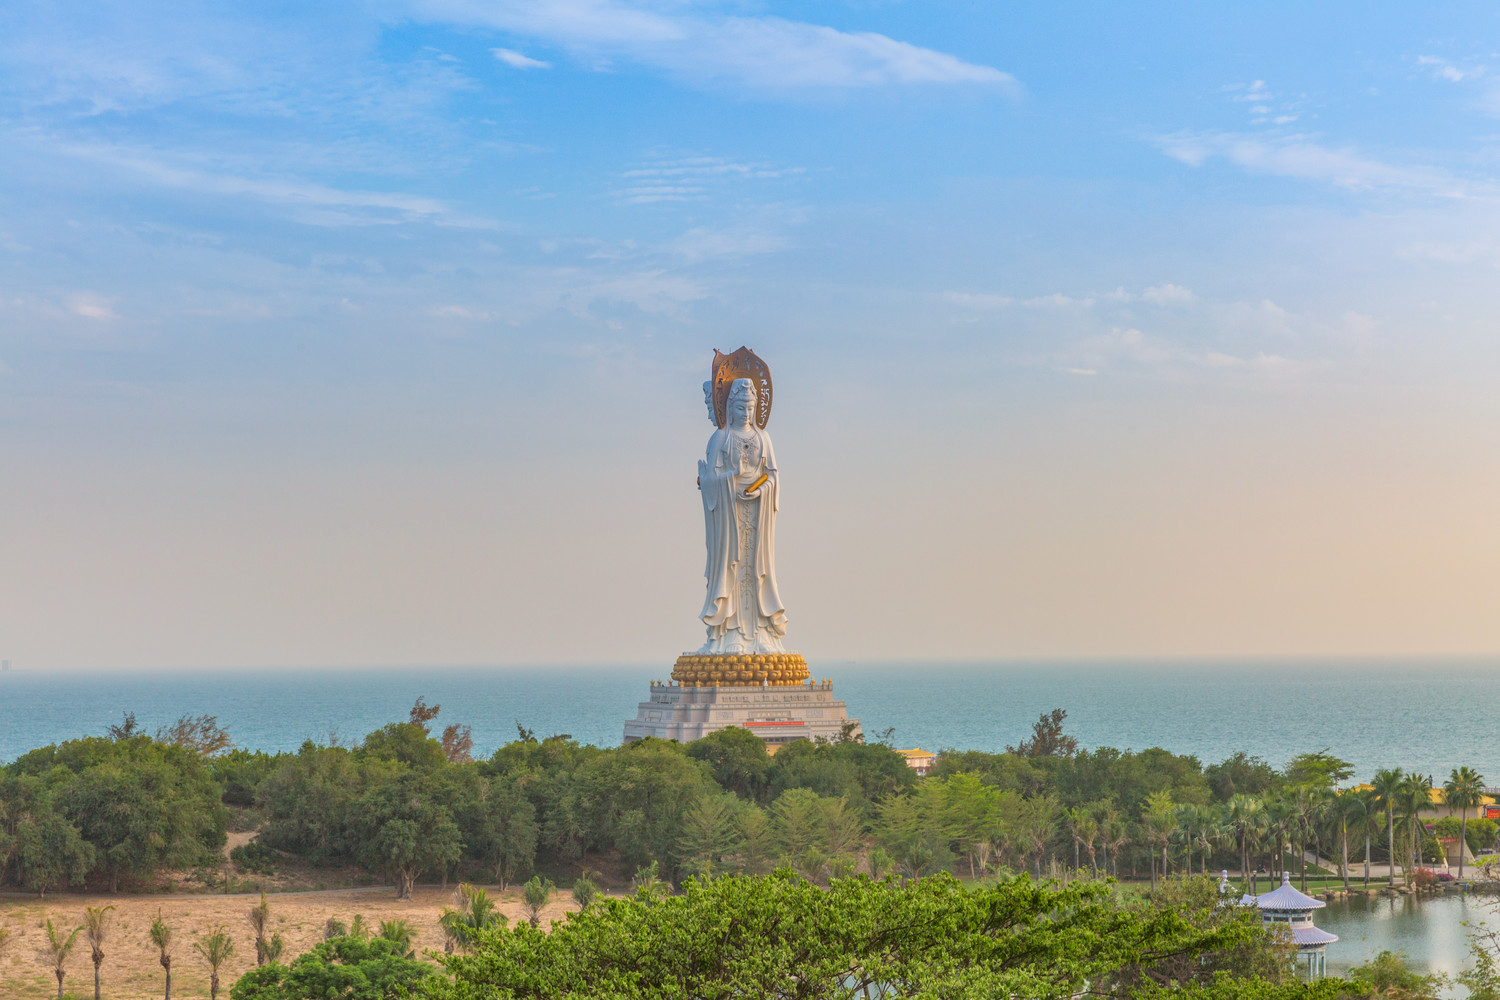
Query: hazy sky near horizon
{"type": "Point", "coordinates": [373, 332]}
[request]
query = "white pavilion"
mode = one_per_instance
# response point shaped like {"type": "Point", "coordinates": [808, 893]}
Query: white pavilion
{"type": "Point", "coordinates": [1288, 907]}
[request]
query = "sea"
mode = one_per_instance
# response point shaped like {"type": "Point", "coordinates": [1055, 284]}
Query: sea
{"type": "Point", "coordinates": [1427, 716]}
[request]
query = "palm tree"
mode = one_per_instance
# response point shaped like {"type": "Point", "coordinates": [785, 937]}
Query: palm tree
{"type": "Point", "coordinates": [161, 936]}
{"type": "Point", "coordinates": [1307, 805]}
{"type": "Point", "coordinates": [1208, 831]}
{"type": "Point", "coordinates": [1387, 787]}
{"type": "Point", "coordinates": [57, 948]}
{"type": "Point", "coordinates": [1281, 819]}
{"type": "Point", "coordinates": [1160, 816]}
{"type": "Point", "coordinates": [1085, 830]}
{"type": "Point", "coordinates": [399, 933]}
{"type": "Point", "coordinates": [584, 890]}
{"type": "Point", "coordinates": [216, 950]}
{"type": "Point", "coordinates": [260, 921]}
{"type": "Point", "coordinates": [1245, 815]}
{"type": "Point", "coordinates": [1415, 796]}
{"type": "Point", "coordinates": [534, 897]}
{"type": "Point", "coordinates": [95, 928]}
{"type": "Point", "coordinates": [1464, 789]}
{"type": "Point", "coordinates": [476, 912]}
{"type": "Point", "coordinates": [1368, 823]}
{"type": "Point", "coordinates": [1114, 833]}
{"type": "Point", "coordinates": [1348, 810]}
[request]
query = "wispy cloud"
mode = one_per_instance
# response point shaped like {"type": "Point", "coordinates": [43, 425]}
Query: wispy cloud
{"type": "Point", "coordinates": [1129, 348]}
{"type": "Point", "coordinates": [1303, 158]}
{"type": "Point", "coordinates": [517, 60]}
{"type": "Point", "coordinates": [766, 53]}
{"type": "Point", "coordinates": [1442, 69]}
{"type": "Point", "coordinates": [308, 201]}
{"type": "Point", "coordinates": [91, 306]}
{"type": "Point", "coordinates": [690, 178]}
{"type": "Point", "coordinates": [978, 300]}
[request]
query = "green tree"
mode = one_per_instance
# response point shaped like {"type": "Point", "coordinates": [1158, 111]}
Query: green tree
{"type": "Point", "coordinates": [1353, 812]}
{"type": "Point", "coordinates": [405, 742]}
{"type": "Point", "coordinates": [1240, 774]}
{"type": "Point", "coordinates": [160, 936]}
{"type": "Point", "coordinates": [502, 828]}
{"type": "Point", "coordinates": [797, 815]}
{"type": "Point", "coordinates": [737, 760]}
{"type": "Point", "coordinates": [144, 808]}
{"type": "Point", "coordinates": [51, 853]}
{"type": "Point", "coordinates": [911, 832]}
{"type": "Point", "coordinates": [56, 947]}
{"type": "Point", "coordinates": [95, 931]}
{"type": "Point", "coordinates": [584, 891]}
{"type": "Point", "coordinates": [1319, 770]}
{"type": "Point", "coordinates": [535, 895]}
{"type": "Point", "coordinates": [1246, 816]}
{"type": "Point", "coordinates": [1160, 818]}
{"type": "Point", "coordinates": [1414, 797]}
{"type": "Point", "coordinates": [1034, 822]}
{"type": "Point", "coordinates": [475, 913]}
{"type": "Point", "coordinates": [1482, 834]}
{"type": "Point", "coordinates": [349, 968]}
{"type": "Point", "coordinates": [1464, 790]}
{"type": "Point", "coordinates": [401, 934]}
{"type": "Point", "coordinates": [973, 813]}
{"type": "Point", "coordinates": [215, 949]}
{"type": "Point", "coordinates": [1388, 794]}
{"type": "Point", "coordinates": [780, 937]}
{"type": "Point", "coordinates": [757, 839]}
{"type": "Point", "coordinates": [407, 831]}
{"type": "Point", "coordinates": [259, 917]}
{"type": "Point", "coordinates": [1047, 738]}
{"type": "Point", "coordinates": [1482, 977]}
{"type": "Point", "coordinates": [1389, 974]}
{"type": "Point", "coordinates": [1268, 956]}
{"type": "Point", "coordinates": [709, 833]}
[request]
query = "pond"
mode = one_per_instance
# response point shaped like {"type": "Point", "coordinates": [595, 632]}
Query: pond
{"type": "Point", "coordinates": [1432, 931]}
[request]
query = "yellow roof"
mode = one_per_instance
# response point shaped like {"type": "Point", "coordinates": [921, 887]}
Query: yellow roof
{"type": "Point", "coordinates": [1434, 795]}
{"type": "Point", "coordinates": [916, 752]}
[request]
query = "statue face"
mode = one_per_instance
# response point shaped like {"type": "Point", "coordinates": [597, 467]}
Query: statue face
{"type": "Point", "coordinates": [708, 401]}
{"type": "Point", "coordinates": [742, 402]}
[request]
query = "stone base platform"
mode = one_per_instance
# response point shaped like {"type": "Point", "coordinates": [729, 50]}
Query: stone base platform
{"type": "Point", "coordinates": [777, 713]}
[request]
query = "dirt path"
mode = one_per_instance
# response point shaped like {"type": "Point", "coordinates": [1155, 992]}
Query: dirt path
{"type": "Point", "coordinates": [131, 969]}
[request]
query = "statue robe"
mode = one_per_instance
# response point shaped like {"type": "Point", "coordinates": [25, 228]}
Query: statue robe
{"type": "Point", "coordinates": [736, 458]}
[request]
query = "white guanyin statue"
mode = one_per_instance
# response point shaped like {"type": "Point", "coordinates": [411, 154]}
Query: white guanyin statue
{"type": "Point", "coordinates": [738, 480]}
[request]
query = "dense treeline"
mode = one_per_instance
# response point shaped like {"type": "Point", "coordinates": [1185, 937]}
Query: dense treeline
{"type": "Point", "coordinates": [108, 809]}
{"type": "Point", "coordinates": [406, 804]}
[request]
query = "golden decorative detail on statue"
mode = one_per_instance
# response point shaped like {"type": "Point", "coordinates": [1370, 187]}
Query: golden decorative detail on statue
{"type": "Point", "coordinates": [741, 364]}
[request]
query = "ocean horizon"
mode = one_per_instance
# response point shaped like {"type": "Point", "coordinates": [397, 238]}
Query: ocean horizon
{"type": "Point", "coordinates": [1426, 715]}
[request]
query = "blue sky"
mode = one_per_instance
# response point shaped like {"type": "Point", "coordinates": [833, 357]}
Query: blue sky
{"type": "Point", "coordinates": [348, 332]}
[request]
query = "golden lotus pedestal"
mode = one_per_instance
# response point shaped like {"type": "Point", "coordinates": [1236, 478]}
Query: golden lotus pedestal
{"type": "Point", "coordinates": [773, 695]}
{"type": "Point", "coordinates": [716, 669]}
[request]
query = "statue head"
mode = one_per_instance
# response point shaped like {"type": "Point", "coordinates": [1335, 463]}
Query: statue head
{"type": "Point", "coordinates": [708, 401]}
{"type": "Point", "coordinates": [741, 407]}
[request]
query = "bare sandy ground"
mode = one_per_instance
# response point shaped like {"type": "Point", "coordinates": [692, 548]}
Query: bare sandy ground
{"type": "Point", "coordinates": [131, 970]}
